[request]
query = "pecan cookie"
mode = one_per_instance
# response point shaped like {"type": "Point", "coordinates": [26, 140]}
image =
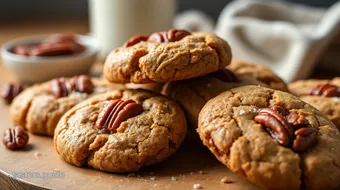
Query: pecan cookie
{"type": "Point", "coordinates": [322, 94]}
{"type": "Point", "coordinates": [167, 56]}
{"type": "Point", "coordinates": [120, 131]}
{"type": "Point", "coordinates": [192, 94]}
{"type": "Point", "coordinates": [260, 73]}
{"type": "Point", "coordinates": [39, 108]}
{"type": "Point", "coordinates": [272, 138]}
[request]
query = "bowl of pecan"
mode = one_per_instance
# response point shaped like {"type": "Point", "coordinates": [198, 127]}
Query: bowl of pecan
{"type": "Point", "coordinates": [43, 57]}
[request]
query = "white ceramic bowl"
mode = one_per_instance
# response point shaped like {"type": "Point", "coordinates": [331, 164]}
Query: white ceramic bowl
{"type": "Point", "coordinates": [38, 69]}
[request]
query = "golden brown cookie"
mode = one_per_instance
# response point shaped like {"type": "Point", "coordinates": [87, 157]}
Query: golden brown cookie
{"type": "Point", "coordinates": [120, 131]}
{"type": "Point", "coordinates": [192, 94]}
{"type": "Point", "coordinates": [272, 138]}
{"type": "Point", "coordinates": [155, 87]}
{"type": "Point", "coordinates": [163, 57]}
{"type": "Point", "coordinates": [39, 108]}
{"type": "Point", "coordinates": [318, 94]}
{"type": "Point", "coordinates": [260, 73]}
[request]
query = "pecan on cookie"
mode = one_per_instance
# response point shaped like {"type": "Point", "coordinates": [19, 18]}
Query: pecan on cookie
{"type": "Point", "coordinates": [272, 138]}
{"type": "Point", "coordinates": [40, 106]}
{"type": "Point", "coordinates": [167, 56]}
{"type": "Point", "coordinates": [322, 94]}
{"type": "Point", "coordinates": [120, 131]}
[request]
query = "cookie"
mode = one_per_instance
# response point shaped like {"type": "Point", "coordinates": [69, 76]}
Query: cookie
{"type": "Point", "coordinates": [272, 138]}
{"type": "Point", "coordinates": [167, 56]}
{"type": "Point", "coordinates": [259, 72]}
{"type": "Point", "coordinates": [155, 87]}
{"type": "Point", "coordinates": [39, 108]}
{"type": "Point", "coordinates": [192, 94]}
{"type": "Point", "coordinates": [120, 131]}
{"type": "Point", "coordinates": [317, 93]}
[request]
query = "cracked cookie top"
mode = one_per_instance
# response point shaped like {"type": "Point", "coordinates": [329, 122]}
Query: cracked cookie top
{"type": "Point", "coordinates": [39, 107]}
{"type": "Point", "coordinates": [120, 131]}
{"type": "Point", "coordinates": [260, 73]}
{"type": "Point", "coordinates": [156, 60]}
{"type": "Point", "coordinates": [272, 138]}
{"type": "Point", "coordinates": [192, 94]}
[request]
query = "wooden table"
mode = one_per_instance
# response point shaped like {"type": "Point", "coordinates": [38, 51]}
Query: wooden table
{"type": "Point", "coordinates": [192, 164]}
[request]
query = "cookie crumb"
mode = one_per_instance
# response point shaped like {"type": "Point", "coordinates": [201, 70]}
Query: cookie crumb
{"type": "Point", "coordinates": [153, 178]}
{"type": "Point", "coordinates": [131, 175]}
{"type": "Point", "coordinates": [191, 173]}
{"type": "Point", "coordinates": [173, 178]}
{"type": "Point", "coordinates": [37, 154]}
{"type": "Point", "coordinates": [226, 180]}
{"type": "Point", "coordinates": [202, 172]}
{"type": "Point", "coordinates": [56, 170]}
{"type": "Point", "coordinates": [155, 185]}
{"type": "Point", "coordinates": [197, 186]}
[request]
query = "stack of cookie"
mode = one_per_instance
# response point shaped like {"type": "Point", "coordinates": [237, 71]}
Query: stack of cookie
{"type": "Point", "coordinates": [242, 112]}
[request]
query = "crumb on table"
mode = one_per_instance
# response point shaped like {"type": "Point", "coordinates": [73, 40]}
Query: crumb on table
{"type": "Point", "coordinates": [226, 180]}
{"type": "Point", "coordinates": [197, 186]}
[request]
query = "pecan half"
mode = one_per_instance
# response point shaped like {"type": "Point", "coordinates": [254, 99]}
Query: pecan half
{"type": "Point", "coordinates": [60, 87]}
{"type": "Point", "coordinates": [275, 125]}
{"type": "Point", "coordinates": [289, 129]}
{"type": "Point", "coordinates": [327, 90]}
{"type": "Point", "coordinates": [15, 138]}
{"type": "Point", "coordinates": [225, 75]}
{"type": "Point", "coordinates": [116, 112]}
{"type": "Point", "coordinates": [10, 91]}
{"type": "Point", "coordinates": [83, 84]}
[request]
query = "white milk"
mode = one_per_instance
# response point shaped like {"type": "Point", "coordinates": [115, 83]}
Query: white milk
{"type": "Point", "coordinates": [113, 22]}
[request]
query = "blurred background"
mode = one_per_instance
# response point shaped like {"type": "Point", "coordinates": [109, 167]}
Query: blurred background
{"type": "Point", "coordinates": [23, 18]}
{"type": "Point", "coordinates": [40, 9]}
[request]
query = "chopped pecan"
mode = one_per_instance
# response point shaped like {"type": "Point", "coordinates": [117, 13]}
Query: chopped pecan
{"type": "Point", "coordinates": [327, 90]}
{"type": "Point", "coordinates": [10, 91]}
{"type": "Point", "coordinates": [116, 112]}
{"type": "Point", "coordinates": [225, 75]}
{"type": "Point", "coordinates": [304, 138]}
{"type": "Point", "coordinates": [15, 138]}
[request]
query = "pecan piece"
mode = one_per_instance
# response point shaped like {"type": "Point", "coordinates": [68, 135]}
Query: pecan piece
{"type": "Point", "coordinates": [305, 138]}
{"type": "Point", "coordinates": [60, 87]}
{"type": "Point", "coordinates": [167, 36]}
{"type": "Point", "coordinates": [15, 138]}
{"type": "Point", "coordinates": [225, 75]}
{"type": "Point", "coordinates": [327, 90]}
{"type": "Point", "coordinates": [117, 112]}
{"type": "Point", "coordinates": [10, 91]}
{"type": "Point", "coordinates": [176, 35]}
{"type": "Point", "coordinates": [83, 84]}
{"type": "Point", "coordinates": [275, 125]}
{"type": "Point", "coordinates": [135, 40]}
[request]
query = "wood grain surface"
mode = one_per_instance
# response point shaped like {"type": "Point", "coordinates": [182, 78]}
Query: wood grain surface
{"type": "Point", "coordinates": [27, 169]}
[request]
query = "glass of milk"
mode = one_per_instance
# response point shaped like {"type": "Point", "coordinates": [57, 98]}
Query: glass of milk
{"type": "Point", "coordinates": [113, 22]}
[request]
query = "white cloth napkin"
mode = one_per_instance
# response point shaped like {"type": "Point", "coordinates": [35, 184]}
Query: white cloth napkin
{"type": "Point", "coordinates": [286, 37]}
